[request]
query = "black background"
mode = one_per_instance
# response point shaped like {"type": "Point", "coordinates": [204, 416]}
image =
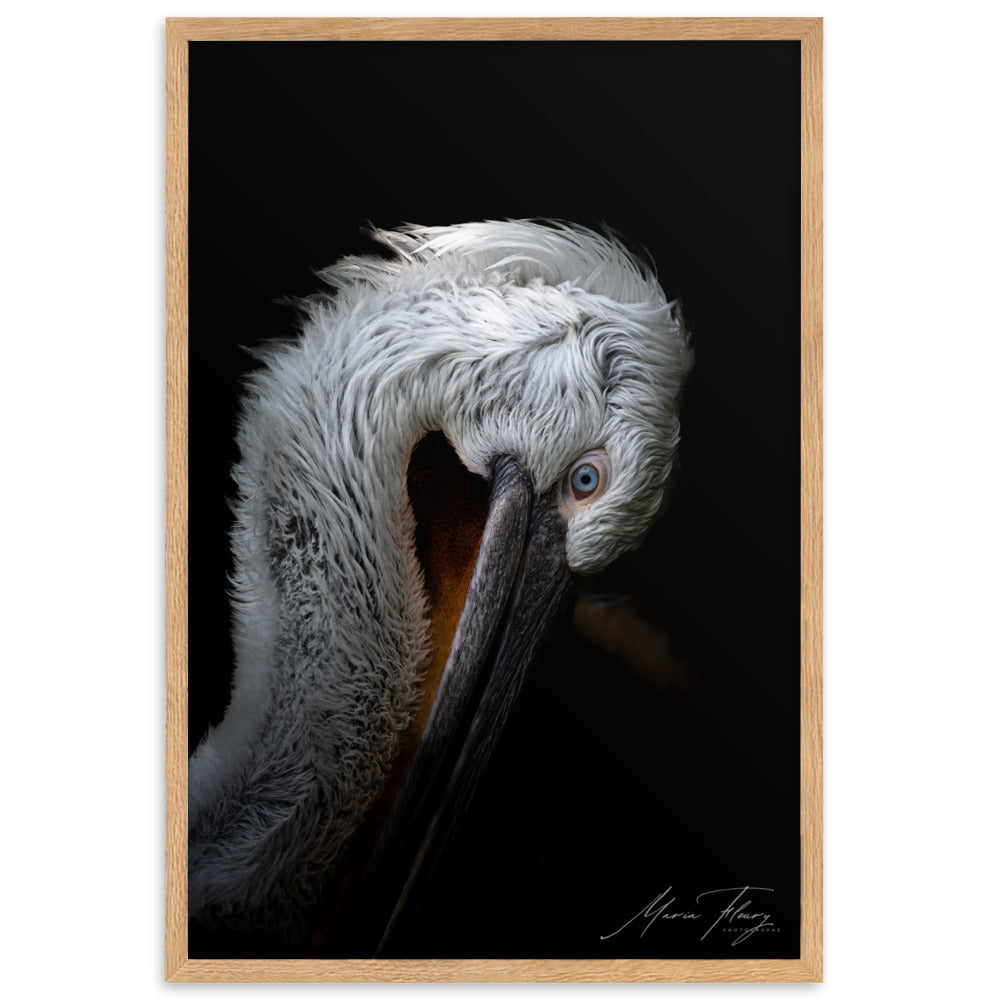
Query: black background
{"type": "Point", "coordinates": [603, 792]}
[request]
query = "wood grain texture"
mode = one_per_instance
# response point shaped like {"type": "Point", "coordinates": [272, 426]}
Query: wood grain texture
{"type": "Point", "coordinates": [444, 29]}
{"type": "Point", "coordinates": [177, 493]}
{"type": "Point", "coordinates": [479, 971]}
{"type": "Point", "coordinates": [181, 31]}
{"type": "Point", "coordinates": [811, 619]}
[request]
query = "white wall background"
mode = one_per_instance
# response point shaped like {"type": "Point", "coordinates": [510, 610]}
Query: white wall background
{"type": "Point", "coordinates": [912, 495]}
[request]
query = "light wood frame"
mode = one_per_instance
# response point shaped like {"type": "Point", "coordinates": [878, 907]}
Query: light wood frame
{"type": "Point", "coordinates": [808, 968]}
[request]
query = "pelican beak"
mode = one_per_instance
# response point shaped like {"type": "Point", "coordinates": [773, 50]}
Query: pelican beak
{"type": "Point", "coordinates": [520, 581]}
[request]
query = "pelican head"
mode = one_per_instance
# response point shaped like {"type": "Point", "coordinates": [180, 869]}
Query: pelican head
{"type": "Point", "coordinates": [375, 671]}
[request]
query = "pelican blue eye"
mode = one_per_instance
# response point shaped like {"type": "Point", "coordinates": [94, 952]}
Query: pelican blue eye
{"type": "Point", "coordinates": [585, 480]}
{"type": "Point", "coordinates": [588, 476]}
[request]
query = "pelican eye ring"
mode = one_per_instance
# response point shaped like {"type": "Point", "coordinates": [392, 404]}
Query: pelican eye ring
{"type": "Point", "coordinates": [588, 476]}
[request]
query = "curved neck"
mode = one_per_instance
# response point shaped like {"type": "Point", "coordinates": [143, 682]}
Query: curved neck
{"type": "Point", "coordinates": [329, 627]}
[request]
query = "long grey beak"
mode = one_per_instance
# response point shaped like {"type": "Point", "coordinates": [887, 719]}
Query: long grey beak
{"type": "Point", "coordinates": [520, 580]}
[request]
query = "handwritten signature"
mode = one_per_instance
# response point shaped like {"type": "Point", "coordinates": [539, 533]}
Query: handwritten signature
{"type": "Point", "coordinates": [733, 907]}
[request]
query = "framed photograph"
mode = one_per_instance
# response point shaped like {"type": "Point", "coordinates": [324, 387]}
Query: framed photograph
{"type": "Point", "coordinates": [494, 500]}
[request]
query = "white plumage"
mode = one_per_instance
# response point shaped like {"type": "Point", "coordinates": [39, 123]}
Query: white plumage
{"type": "Point", "coordinates": [530, 339]}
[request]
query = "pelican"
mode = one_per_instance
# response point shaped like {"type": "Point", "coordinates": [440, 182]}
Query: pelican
{"type": "Point", "coordinates": [377, 657]}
